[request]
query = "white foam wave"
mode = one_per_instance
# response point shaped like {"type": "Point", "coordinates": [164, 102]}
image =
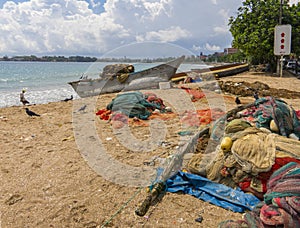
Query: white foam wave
{"type": "Point", "coordinates": [42, 96]}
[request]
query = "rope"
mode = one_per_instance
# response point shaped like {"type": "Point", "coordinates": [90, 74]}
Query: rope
{"type": "Point", "coordinates": [121, 208]}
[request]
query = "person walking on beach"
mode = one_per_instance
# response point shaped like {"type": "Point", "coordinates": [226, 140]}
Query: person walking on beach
{"type": "Point", "coordinates": [22, 97]}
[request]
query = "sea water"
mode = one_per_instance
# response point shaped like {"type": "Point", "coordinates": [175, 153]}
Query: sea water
{"type": "Point", "coordinates": [46, 82]}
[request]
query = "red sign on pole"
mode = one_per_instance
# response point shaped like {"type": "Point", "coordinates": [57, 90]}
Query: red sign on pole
{"type": "Point", "coordinates": [282, 39]}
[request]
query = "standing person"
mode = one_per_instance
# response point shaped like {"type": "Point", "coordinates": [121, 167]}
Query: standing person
{"type": "Point", "coordinates": [22, 97]}
{"type": "Point", "coordinates": [255, 95]}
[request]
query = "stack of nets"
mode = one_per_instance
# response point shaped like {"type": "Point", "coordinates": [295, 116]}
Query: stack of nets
{"type": "Point", "coordinates": [121, 71]}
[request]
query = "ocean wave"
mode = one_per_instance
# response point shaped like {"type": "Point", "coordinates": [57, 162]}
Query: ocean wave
{"type": "Point", "coordinates": [43, 96]}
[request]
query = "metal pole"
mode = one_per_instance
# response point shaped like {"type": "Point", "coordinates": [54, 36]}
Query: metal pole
{"type": "Point", "coordinates": [279, 61]}
{"type": "Point", "coordinates": [281, 65]}
{"type": "Point", "coordinates": [280, 12]}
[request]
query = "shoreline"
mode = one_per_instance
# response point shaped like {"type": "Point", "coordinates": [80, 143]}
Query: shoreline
{"type": "Point", "coordinates": [274, 81]}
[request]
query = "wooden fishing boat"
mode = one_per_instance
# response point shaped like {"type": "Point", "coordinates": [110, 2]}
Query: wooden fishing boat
{"type": "Point", "coordinates": [217, 71]}
{"type": "Point", "coordinates": [145, 79]}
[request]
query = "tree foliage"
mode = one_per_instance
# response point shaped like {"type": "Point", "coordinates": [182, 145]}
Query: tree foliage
{"type": "Point", "coordinates": [293, 18]}
{"type": "Point", "coordinates": [229, 58]}
{"type": "Point", "coordinates": [253, 28]}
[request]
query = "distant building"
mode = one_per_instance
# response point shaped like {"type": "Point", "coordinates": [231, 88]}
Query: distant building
{"type": "Point", "coordinates": [219, 54]}
{"type": "Point", "coordinates": [216, 55]}
{"type": "Point", "coordinates": [228, 51]}
{"type": "Point", "coordinates": [203, 57]}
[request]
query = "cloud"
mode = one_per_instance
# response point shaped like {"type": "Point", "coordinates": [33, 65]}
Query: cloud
{"type": "Point", "coordinates": [95, 4]}
{"type": "Point", "coordinates": [72, 27]}
{"type": "Point", "coordinates": [196, 48]}
{"type": "Point", "coordinates": [168, 35]}
{"type": "Point", "coordinates": [148, 50]}
{"type": "Point", "coordinates": [212, 48]}
{"type": "Point", "coordinates": [155, 9]}
{"type": "Point", "coordinates": [37, 27]}
{"type": "Point", "coordinates": [291, 2]}
{"type": "Point", "coordinates": [224, 28]}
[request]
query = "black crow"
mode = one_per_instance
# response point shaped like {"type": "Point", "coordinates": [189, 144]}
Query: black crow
{"type": "Point", "coordinates": [31, 113]}
{"type": "Point", "coordinates": [237, 101]}
{"type": "Point", "coordinates": [68, 99]}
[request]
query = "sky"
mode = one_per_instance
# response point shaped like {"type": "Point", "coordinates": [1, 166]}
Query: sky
{"type": "Point", "coordinates": [104, 28]}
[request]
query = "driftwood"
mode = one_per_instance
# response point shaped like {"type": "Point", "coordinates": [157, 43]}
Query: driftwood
{"type": "Point", "coordinates": [160, 186]}
{"type": "Point", "coordinates": [152, 196]}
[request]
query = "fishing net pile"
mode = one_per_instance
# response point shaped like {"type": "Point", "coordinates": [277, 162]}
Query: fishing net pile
{"type": "Point", "coordinates": [281, 204]}
{"type": "Point", "coordinates": [251, 154]}
{"type": "Point", "coordinates": [120, 71]}
{"type": "Point", "coordinates": [135, 105]}
{"type": "Point", "coordinates": [255, 151]}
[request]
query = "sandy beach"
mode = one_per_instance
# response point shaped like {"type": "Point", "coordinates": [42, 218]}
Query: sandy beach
{"type": "Point", "coordinates": [47, 182]}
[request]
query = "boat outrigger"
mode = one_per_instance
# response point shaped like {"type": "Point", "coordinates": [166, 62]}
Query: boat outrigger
{"type": "Point", "coordinates": [125, 80]}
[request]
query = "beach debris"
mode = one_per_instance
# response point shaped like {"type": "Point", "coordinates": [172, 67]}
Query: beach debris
{"type": "Point", "coordinates": [168, 109]}
{"type": "Point", "coordinates": [68, 99]}
{"type": "Point", "coordinates": [183, 133]}
{"type": "Point", "coordinates": [149, 163]}
{"type": "Point", "coordinates": [14, 199]}
{"type": "Point", "coordinates": [28, 138]}
{"type": "Point", "coordinates": [31, 113]}
{"type": "Point", "coordinates": [157, 189]}
{"type": "Point", "coordinates": [3, 118]}
{"type": "Point", "coordinates": [68, 138]}
{"type": "Point", "coordinates": [199, 219]}
{"type": "Point", "coordinates": [82, 108]}
{"type": "Point", "coordinates": [293, 136]}
{"type": "Point", "coordinates": [246, 89]}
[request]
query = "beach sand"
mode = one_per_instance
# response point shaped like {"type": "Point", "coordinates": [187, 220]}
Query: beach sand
{"type": "Point", "coordinates": [47, 182]}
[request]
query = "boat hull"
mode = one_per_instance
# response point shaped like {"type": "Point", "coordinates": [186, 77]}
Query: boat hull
{"type": "Point", "coordinates": [145, 79]}
{"type": "Point", "coordinates": [217, 72]}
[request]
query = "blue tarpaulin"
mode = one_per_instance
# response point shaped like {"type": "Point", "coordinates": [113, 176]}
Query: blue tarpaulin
{"type": "Point", "coordinates": [212, 192]}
